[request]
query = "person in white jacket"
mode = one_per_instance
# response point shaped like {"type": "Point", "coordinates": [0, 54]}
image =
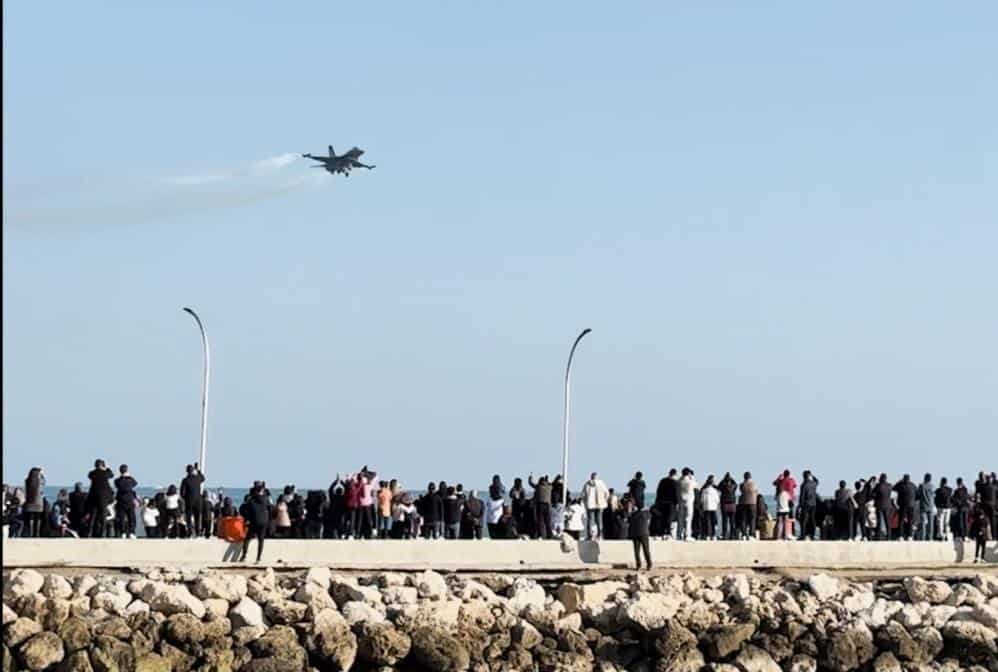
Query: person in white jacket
{"type": "Point", "coordinates": [595, 495]}
{"type": "Point", "coordinates": [710, 502]}
{"type": "Point", "coordinates": [687, 487]}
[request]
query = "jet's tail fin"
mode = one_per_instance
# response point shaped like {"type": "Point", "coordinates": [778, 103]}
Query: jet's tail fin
{"type": "Point", "coordinates": [332, 152]}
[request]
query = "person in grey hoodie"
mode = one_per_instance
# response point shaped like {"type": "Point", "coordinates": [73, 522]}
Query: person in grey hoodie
{"type": "Point", "coordinates": [926, 509]}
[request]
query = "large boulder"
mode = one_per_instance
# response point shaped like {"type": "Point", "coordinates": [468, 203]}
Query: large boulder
{"type": "Point", "coordinates": [723, 640]}
{"type": "Point", "coordinates": [525, 593]}
{"type": "Point", "coordinates": [430, 585]}
{"type": "Point", "coordinates": [887, 662]}
{"type": "Point", "coordinates": [969, 640]}
{"type": "Point", "coordinates": [737, 588]}
{"type": "Point", "coordinates": [753, 659]}
{"type": "Point", "coordinates": [180, 661]}
{"type": "Point", "coordinates": [152, 662]}
{"type": "Point", "coordinates": [115, 627]}
{"type": "Point", "coordinates": [650, 611]}
{"type": "Point", "coordinates": [112, 655]}
{"type": "Point", "coordinates": [987, 583]}
{"type": "Point", "coordinates": [280, 644]}
{"type": "Point", "coordinates": [320, 576]}
{"type": "Point", "coordinates": [20, 631]}
{"type": "Point", "coordinates": [436, 649]}
{"type": "Point", "coordinates": [315, 596]}
{"type": "Point", "coordinates": [173, 599]}
{"type": "Point", "coordinates": [112, 598]}
{"type": "Point", "coordinates": [823, 586]}
{"type": "Point", "coordinates": [382, 644]}
{"type": "Point", "coordinates": [229, 587]}
{"type": "Point", "coordinates": [42, 650]}
{"type": "Point", "coordinates": [921, 645]}
{"type": "Point", "coordinates": [848, 648]}
{"type": "Point", "coordinates": [575, 596]}
{"type": "Point", "coordinates": [330, 643]}
{"type": "Point", "coordinates": [57, 587]}
{"type": "Point", "coordinates": [356, 613]}
{"type": "Point", "coordinates": [400, 595]}
{"type": "Point", "coordinates": [183, 629]}
{"type": "Point", "coordinates": [801, 662]}
{"type": "Point", "coordinates": [22, 582]}
{"type": "Point", "coordinates": [75, 634]}
{"type": "Point", "coordinates": [247, 613]}
{"type": "Point", "coordinates": [285, 612]}
{"type": "Point", "coordinates": [9, 615]}
{"type": "Point", "coordinates": [922, 590]}
{"type": "Point", "coordinates": [525, 635]}
{"type": "Point", "coordinates": [77, 661]}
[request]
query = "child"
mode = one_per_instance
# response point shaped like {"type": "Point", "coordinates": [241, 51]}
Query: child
{"type": "Point", "coordinates": [870, 514]}
{"type": "Point", "coordinates": [784, 519]}
{"type": "Point", "coordinates": [150, 518]}
{"type": "Point", "coordinates": [980, 529]}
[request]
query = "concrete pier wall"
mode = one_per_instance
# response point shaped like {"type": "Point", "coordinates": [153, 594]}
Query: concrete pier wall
{"type": "Point", "coordinates": [484, 555]}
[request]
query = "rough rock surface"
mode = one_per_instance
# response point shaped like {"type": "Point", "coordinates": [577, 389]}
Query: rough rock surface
{"type": "Point", "coordinates": [203, 621]}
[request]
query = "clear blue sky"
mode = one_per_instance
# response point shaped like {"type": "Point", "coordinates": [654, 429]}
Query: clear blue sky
{"type": "Point", "coordinates": [780, 223]}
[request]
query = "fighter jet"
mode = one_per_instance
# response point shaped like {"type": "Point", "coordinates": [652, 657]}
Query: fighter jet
{"type": "Point", "coordinates": [339, 164]}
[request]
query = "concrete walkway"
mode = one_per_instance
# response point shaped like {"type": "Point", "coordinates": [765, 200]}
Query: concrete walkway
{"type": "Point", "coordinates": [534, 556]}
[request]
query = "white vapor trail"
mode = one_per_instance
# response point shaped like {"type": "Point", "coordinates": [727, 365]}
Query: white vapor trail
{"type": "Point", "coordinates": [130, 201]}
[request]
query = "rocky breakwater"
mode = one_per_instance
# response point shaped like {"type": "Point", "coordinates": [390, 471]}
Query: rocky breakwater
{"type": "Point", "coordinates": [226, 622]}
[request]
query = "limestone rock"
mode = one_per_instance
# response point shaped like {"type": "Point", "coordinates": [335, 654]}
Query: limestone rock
{"type": "Point", "coordinates": [9, 615]}
{"type": "Point", "coordinates": [320, 576]}
{"type": "Point", "coordinates": [650, 611]}
{"type": "Point", "coordinates": [285, 612]}
{"type": "Point", "coordinates": [56, 586]}
{"type": "Point", "coordinates": [723, 640]}
{"type": "Point", "coordinates": [183, 629]}
{"type": "Point", "coordinates": [525, 593]}
{"type": "Point", "coordinates": [966, 593]}
{"type": "Point", "coordinates": [887, 662]}
{"type": "Point", "coordinates": [737, 588]}
{"type": "Point", "coordinates": [576, 597]}
{"type": "Point", "coordinates": [753, 659]}
{"type": "Point", "coordinates": [42, 650]}
{"type": "Point", "coordinates": [112, 599]}
{"type": "Point", "coordinates": [175, 599]}
{"type": "Point", "coordinates": [245, 634]}
{"type": "Point", "coordinates": [436, 649]}
{"type": "Point", "coordinates": [77, 661]}
{"type": "Point", "coordinates": [113, 627]}
{"type": "Point", "coordinates": [922, 590]}
{"type": "Point", "coordinates": [361, 612]}
{"type": "Point", "coordinates": [921, 645]}
{"type": "Point", "coordinates": [525, 635]}
{"type": "Point", "coordinates": [224, 586]}
{"type": "Point", "coordinates": [214, 608]}
{"type": "Point", "coordinates": [802, 663]}
{"type": "Point", "coordinates": [987, 584]}
{"type": "Point", "coordinates": [849, 647]}
{"type": "Point", "coordinates": [75, 634]}
{"type": "Point", "coordinates": [22, 582]}
{"type": "Point", "coordinates": [971, 641]}
{"type": "Point", "coordinates": [179, 661]}
{"type": "Point", "coordinates": [247, 613]}
{"type": "Point", "coordinates": [346, 589]}
{"type": "Point", "coordinates": [20, 631]}
{"type": "Point", "coordinates": [382, 644]}
{"type": "Point", "coordinates": [400, 595]}
{"type": "Point", "coordinates": [331, 642]}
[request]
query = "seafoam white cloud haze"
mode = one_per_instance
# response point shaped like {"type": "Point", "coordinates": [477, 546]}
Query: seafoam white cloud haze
{"type": "Point", "coordinates": [134, 201]}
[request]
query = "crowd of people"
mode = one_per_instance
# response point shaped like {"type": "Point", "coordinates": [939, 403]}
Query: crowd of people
{"type": "Point", "coordinates": [363, 506]}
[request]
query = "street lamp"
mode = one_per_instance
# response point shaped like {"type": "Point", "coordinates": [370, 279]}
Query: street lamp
{"type": "Point", "coordinates": [204, 391]}
{"type": "Point", "coordinates": [564, 445]}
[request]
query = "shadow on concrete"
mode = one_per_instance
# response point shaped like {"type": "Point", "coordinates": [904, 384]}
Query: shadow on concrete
{"type": "Point", "coordinates": [232, 552]}
{"type": "Point", "coordinates": [589, 551]}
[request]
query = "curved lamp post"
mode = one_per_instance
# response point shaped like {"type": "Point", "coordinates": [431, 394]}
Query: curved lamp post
{"type": "Point", "coordinates": [564, 445]}
{"type": "Point", "coordinates": [204, 391]}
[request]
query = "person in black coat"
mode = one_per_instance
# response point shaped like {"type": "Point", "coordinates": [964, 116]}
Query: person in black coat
{"type": "Point", "coordinates": [452, 514]}
{"type": "Point", "coordinates": [256, 511]}
{"type": "Point", "coordinates": [100, 497]}
{"type": "Point", "coordinates": [961, 509]}
{"type": "Point", "coordinates": [907, 493]}
{"type": "Point", "coordinates": [124, 502]}
{"type": "Point", "coordinates": [666, 500]}
{"type": "Point", "coordinates": [636, 490]}
{"type": "Point", "coordinates": [77, 508]}
{"type": "Point", "coordinates": [638, 529]}
{"type": "Point", "coordinates": [944, 508]}
{"type": "Point", "coordinates": [190, 492]}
